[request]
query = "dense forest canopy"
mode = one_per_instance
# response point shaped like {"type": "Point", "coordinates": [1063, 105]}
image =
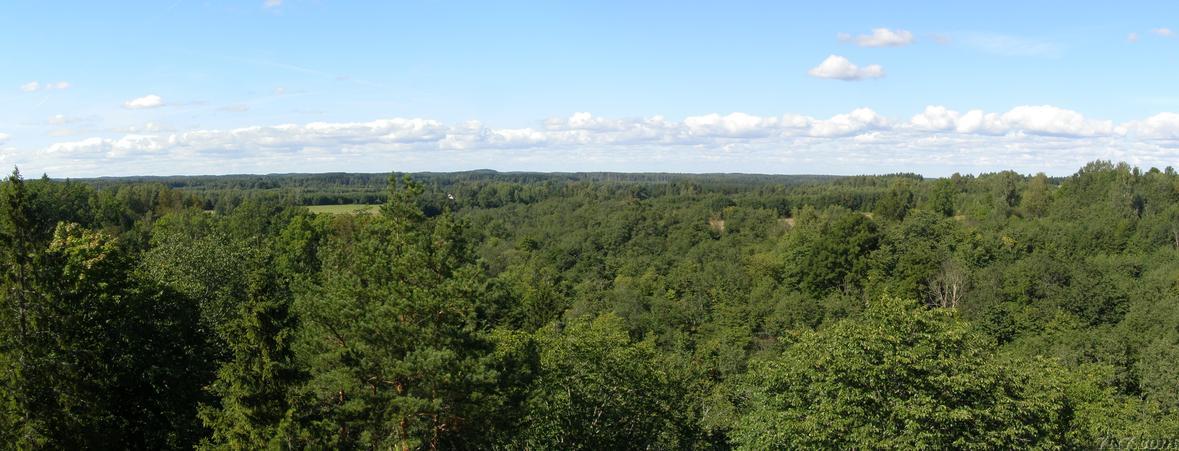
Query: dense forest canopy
{"type": "Point", "coordinates": [590, 311]}
{"type": "Point", "coordinates": [484, 188]}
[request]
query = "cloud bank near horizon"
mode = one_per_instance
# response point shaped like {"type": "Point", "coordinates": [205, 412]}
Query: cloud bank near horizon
{"type": "Point", "coordinates": [935, 141]}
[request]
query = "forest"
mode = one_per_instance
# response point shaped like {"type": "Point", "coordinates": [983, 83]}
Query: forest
{"type": "Point", "coordinates": [487, 310]}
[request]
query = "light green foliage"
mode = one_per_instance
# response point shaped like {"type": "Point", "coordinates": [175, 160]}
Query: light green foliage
{"type": "Point", "coordinates": [1160, 377]}
{"type": "Point", "coordinates": [345, 209]}
{"type": "Point", "coordinates": [1036, 198]}
{"type": "Point", "coordinates": [599, 390]}
{"type": "Point", "coordinates": [899, 377]}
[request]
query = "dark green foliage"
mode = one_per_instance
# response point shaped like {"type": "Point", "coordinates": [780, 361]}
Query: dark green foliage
{"type": "Point", "coordinates": [394, 338]}
{"type": "Point", "coordinates": [942, 197]}
{"type": "Point", "coordinates": [896, 203]}
{"type": "Point", "coordinates": [125, 372]}
{"type": "Point", "coordinates": [253, 385]}
{"type": "Point", "coordinates": [95, 354]}
{"type": "Point", "coordinates": [828, 250]}
{"type": "Point", "coordinates": [912, 254]}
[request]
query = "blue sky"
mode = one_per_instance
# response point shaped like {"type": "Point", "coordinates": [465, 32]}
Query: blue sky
{"type": "Point", "coordinates": [195, 87]}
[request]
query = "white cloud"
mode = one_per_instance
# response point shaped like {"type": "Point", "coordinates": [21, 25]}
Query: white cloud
{"type": "Point", "coordinates": [938, 140]}
{"type": "Point", "coordinates": [583, 121]}
{"type": "Point", "coordinates": [857, 121]}
{"type": "Point", "coordinates": [76, 147]}
{"type": "Point", "coordinates": [148, 101]}
{"type": "Point", "coordinates": [1162, 32]}
{"type": "Point", "coordinates": [272, 3]}
{"type": "Point", "coordinates": [839, 68]}
{"type": "Point", "coordinates": [976, 121]}
{"type": "Point", "coordinates": [936, 117]}
{"type": "Point", "coordinates": [34, 86]}
{"type": "Point", "coordinates": [1132, 37]}
{"type": "Point", "coordinates": [1050, 120]}
{"type": "Point", "coordinates": [741, 125]}
{"type": "Point", "coordinates": [880, 37]}
{"type": "Point", "coordinates": [1041, 120]}
{"type": "Point", "coordinates": [1162, 126]}
{"type": "Point", "coordinates": [4, 138]}
{"type": "Point", "coordinates": [578, 130]}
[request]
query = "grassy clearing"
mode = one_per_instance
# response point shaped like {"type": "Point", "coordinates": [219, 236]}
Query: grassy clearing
{"type": "Point", "coordinates": [345, 209]}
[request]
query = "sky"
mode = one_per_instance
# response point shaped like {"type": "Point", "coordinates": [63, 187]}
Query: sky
{"type": "Point", "coordinates": [180, 87]}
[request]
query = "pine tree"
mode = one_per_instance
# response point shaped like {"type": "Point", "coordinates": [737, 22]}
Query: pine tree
{"type": "Point", "coordinates": [254, 386]}
{"type": "Point", "coordinates": [26, 402]}
{"type": "Point", "coordinates": [397, 349]}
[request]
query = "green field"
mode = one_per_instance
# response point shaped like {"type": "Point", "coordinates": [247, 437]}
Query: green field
{"type": "Point", "coordinates": [345, 209]}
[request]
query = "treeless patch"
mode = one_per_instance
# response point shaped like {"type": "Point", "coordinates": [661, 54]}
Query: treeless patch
{"type": "Point", "coordinates": [716, 224]}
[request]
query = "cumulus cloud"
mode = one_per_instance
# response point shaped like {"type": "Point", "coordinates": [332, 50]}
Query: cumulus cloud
{"type": "Point", "coordinates": [1163, 32]}
{"type": "Point", "coordinates": [1132, 37]}
{"type": "Point", "coordinates": [4, 138]}
{"type": "Point", "coordinates": [936, 117]}
{"type": "Point", "coordinates": [1162, 126]}
{"type": "Point", "coordinates": [857, 121]}
{"type": "Point", "coordinates": [585, 129]}
{"type": "Point", "coordinates": [148, 101]}
{"type": "Point", "coordinates": [880, 37]}
{"type": "Point", "coordinates": [34, 86]}
{"type": "Point", "coordinates": [1041, 120]}
{"type": "Point", "coordinates": [741, 125]}
{"type": "Point", "coordinates": [839, 68]}
{"type": "Point", "coordinates": [579, 129]}
{"type": "Point", "coordinates": [1036, 137]}
{"type": "Point", "coordinates": [1050, 120]}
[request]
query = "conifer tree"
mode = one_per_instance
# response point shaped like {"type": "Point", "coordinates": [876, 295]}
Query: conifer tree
{"type": "Point", "coordinates": [397, 350]}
